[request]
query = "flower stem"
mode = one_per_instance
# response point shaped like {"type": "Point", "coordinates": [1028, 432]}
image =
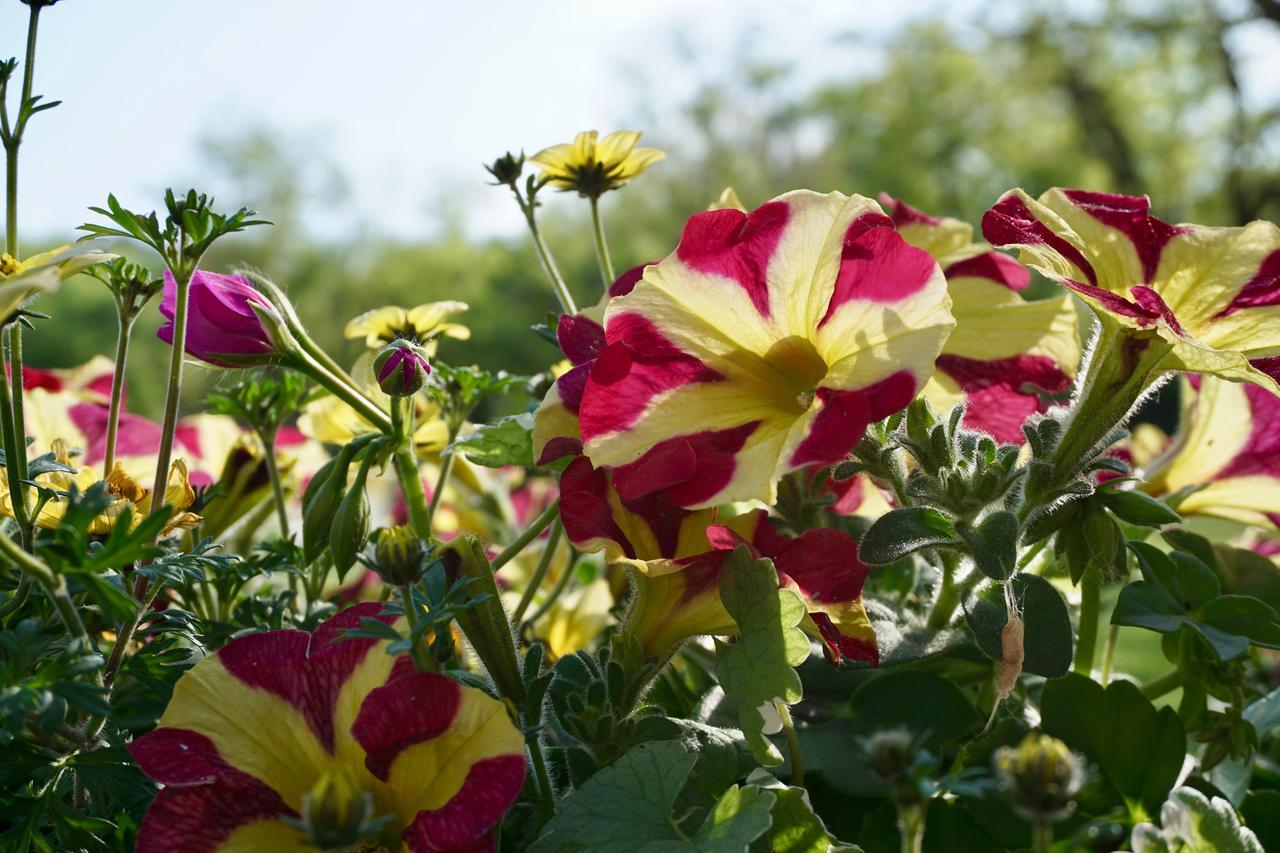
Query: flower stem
{"type": "Point", "coordinates": [173, 390]}
{"type": "Point", "coordinates": [13, 449]}
{"type": "Point", "coordinates": [539, 573]}
{"type": "Point", "coordinates": [545, 257]}
{"type": "Point", "coordinates": [546, 793]}
{"type": "Point", "coordinates": [421, 659]}
{"type": "Point", "coordinates": [420, 513]}
{"type": "Point", "coordinates": [13, 137]}
{"type": "Point", "coordinates": [602, 244]}
{"type": "Point", "coordinates": [339, 387]}
{"type": "Point", "coordinates": [1090, 603]}
{"type": "Point", "coordinates": [1164, 684]}
{"type": "Point", "coordinates": [1109, 654]}
{"type": "Point", "coordinates": [277, 487]}
{"type": "Point", "coordinates": [558, 590]}
{"type": "Point", "coordinates": [794, 755]}
{"type": "Point", "coordinates": [19, 597]}
{"type": "Point", "coordinates": [117, 391]}
{"type": "Point", "coordinates": [911, 826]}
{"type": "Point", "coordinates": [948, 597]}
{"type": "Point", "coordinates": [53, 585]}
{"type": "Point", "coordinates": [1041, 836]}
{"type": "Point", "coordinates": [437, 493]}
{"type": "Point", "coordinates": [532, 532]}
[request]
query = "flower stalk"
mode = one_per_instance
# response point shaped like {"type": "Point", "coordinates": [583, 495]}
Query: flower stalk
{"type": "Point", "coordinates": [602, 244]}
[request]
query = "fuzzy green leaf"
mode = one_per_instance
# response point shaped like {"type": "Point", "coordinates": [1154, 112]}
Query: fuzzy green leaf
{"type": "Point", "coordinates": [1194, 823]}
{"type": "Point", "coordinates": [896, 534]}
{"type": "Point", "coordinates": [505, 442]}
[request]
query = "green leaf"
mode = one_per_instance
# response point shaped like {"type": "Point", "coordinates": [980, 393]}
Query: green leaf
{"type": "Point", "coordinates": [741, 815]}
{"type": "Point", "coordinates": [1193, 823]}
{"type": "Point", "coordinates": [896, 534]}
{"type": "Point", "coordinates": [1048, 643]}
{"type": "Point", "coordinates": [796, 829]}
{"type": "Point", "coordinates": [1179, 591]}
{"type": "Point", "coordinates": [1138, 748]}
{"type": "Point", "coordinates": [758, 669]}
{"type": "Point", "coordinates": [505, 442]}
{"type": "Point", "coordinates": [627, 807]}
{"type": "Point", "coordinates": [1261, 810]}
{"type": "Point", "coordinates": [925, 703]}
{"type": "Point", "coordinates": [1090, 543]}
{"type": "Point", "coordinates": [994, 543]}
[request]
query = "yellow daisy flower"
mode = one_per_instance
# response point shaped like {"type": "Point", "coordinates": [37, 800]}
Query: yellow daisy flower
{"type": "Point", "coordinates": [593, 166]}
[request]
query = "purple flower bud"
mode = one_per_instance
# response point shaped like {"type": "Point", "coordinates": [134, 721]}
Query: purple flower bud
{"type": "Point", "coordinates": [222, 327]}
{"type": "Point", "coordinates": [401, 369]}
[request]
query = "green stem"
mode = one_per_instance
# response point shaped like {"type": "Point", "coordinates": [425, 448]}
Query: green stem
{"type": "Point", "coordinates": [15, 137]}
{"type": "Point", "coordinates": [1114, 378]}
{"type": "Point", "coordinates": [562, 583]}
{"type": "Point", "coordinates": [546, 792]}
{"type": "Point", "coordinates": [123, 638]}
{"type": "Point", "coordinates": [173, 390]}
{"type": "Point", "coordinates": [532, 532]}
{"type": "Point", "coordinates": [442, 479]}
{"type": "Point", "coordinates": [911, 826]}
{"type": "Point", "coordinates": [117, 391]}
{"type": "Point", "coordinates": [19, 408]}
{"type": "Point", "coordinates": [948, 597]}
{"type": "Point", "coordinates": [12, 451]}
{"type": "Point", "coordinates": [539, 573]}
{"type": "Point", "coordinates": [53, 585]}
{"type": "Point", "coordinates": [1166, 683]}
{"type": "Point", "coordinates": [1109, 654]}
{"type": "Point", "coordinates": [794, 755]}
{"type": "Point", "coordinates": [277, 487]}
{"type": "Point", "coordinates": [1090, 603]}
{"type": "Point", "coordinates": [19, 597]}
{"type": "Point", "coordinates": [421, 657]}
{"type": "Point", "coordinates": [602, 244]}
{"type": "Point", "coordinates": [407, 468]}
{"type": "Point", "coordinates": [1041, 836]}
{"type": "Point", "coordinates": [547, 260]}
{"type": "Point", "coordinates": [342, 389]}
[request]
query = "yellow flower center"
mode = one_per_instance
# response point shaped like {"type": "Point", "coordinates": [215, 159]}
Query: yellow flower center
{"type": "Point", "coordinates": [795, 370]}
{"type": "Point", "coordinates": [8, 264]}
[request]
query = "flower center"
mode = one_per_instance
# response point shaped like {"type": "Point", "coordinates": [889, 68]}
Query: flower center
{"type": "Point", "coordinates": [795, 370]}
{"type": "Point", "coordinates": [8, 264]}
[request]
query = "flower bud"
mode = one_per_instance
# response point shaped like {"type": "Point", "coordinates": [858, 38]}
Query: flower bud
{"type": "Point", "coordinates": [507, 168]}
{"type": "Point", "coordinates": [399, 554]}
{"type": "Point", "coordinates": [320, 501]}
{"type": "Point", "coordinates": [350, 531]}
{"type": "Point", "coordinates": [401, 369]}
{"type": "Point", "coordinates": [892, 753]}
{"type": "Point", "coordinates": [225, 324]}
{"type": "Point", "coordinates": [1042, 776]}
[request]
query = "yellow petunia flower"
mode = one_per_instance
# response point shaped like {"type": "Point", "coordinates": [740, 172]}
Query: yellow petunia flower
{"type": "Point", "coordinates": [592, 166]}
{"type": "Point", "coordinates": [425, 324]}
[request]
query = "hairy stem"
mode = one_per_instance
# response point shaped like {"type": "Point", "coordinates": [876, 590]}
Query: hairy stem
{"type": "Point", "coordinates": [13, 449]}
{"type": "Point", "coordinates": [948, 597]}
{"type": "Point", "coordinates": [794, 755]}
{"type": "Point", "coordinates": [422, 659]}
{"type": "Point", "coordinates": [277, 487]}
{"type": "Point", "coordinates": [1109, 654]}
{"type": "Point", "coordinates": [546, 259]}
{"type": "Point", "coordinates": [173, 391]}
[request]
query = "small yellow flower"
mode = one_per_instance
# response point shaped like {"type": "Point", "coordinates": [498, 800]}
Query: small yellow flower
{"type": "Point", "coordinates": [594, 166]}
{"type": "Point", "coordinates": [425, 324]}
{"type": "Point", "coordinates": [21, 280]}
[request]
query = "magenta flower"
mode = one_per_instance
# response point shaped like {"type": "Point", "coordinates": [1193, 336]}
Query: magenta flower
{"type": "Point", "coordinates": [222, 327]}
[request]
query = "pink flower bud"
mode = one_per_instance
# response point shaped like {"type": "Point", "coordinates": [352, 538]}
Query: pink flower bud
{"type": "Point", "coordinates": [222, 327]}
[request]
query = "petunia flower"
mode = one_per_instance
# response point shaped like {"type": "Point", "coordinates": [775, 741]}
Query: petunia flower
{"type": "Point", "coordinates": [1226, 456]}
{"type": "Point", "coordinates": [21, 280]}
{"type": "Point", "coordinates": [1189, 297]}
{"type": "Point", "coordinates": [676, 555]}
{"type": "Point", "coordinates": [1007, 358]}
{"type": "Point", "coordinates": [426, 324]}
{"type": "Point", "coordinates": [258, 733]}
{"type": "Point", "coordinates": [766, 343]}
{"type": "Point", "coordinates": [223, 328]}
{"type": "Point", "coordinates": [592, 166]}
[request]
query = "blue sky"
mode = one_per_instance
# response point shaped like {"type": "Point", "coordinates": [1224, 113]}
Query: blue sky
{"type": "Point", "coordinates": [406, 97]}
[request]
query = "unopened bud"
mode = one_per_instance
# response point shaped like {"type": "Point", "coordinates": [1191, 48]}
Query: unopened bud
{"type": "Point", "coordinates": [507, 168]}
{"type": "Point", "coordinates": [399, 554]}
{"type": "Point", "coordinates": [892, 753]}
{"type": "Point", "coordinates": [401, 369]}
{"type": "Point", "coordinates": [1042, 776]}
